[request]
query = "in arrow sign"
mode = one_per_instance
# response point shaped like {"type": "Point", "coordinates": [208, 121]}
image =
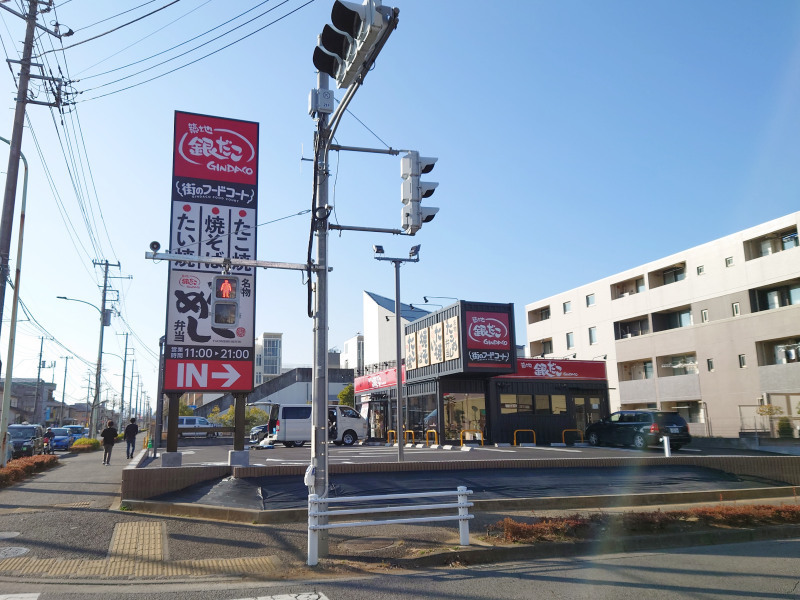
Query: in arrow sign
{"type": "Point", "coordinates": [231, 375]}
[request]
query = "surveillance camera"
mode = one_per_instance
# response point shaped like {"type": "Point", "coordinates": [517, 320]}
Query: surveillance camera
{"type": "Point", "coordinates": [155, 246]}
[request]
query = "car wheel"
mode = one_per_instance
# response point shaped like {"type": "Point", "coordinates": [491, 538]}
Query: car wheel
{"type": "Point", "coordinates": [593, 439]}
{"type": "Point", "coordinates": [349, 438]}
{"type": "Point", "coordinates": [335, 443]}
{"type": "Point", "coordinates": [289, 444]}
{"type": "Point", "coordinates": [639, 442]}
{"type": "Point", "coordinates": [299, 444]}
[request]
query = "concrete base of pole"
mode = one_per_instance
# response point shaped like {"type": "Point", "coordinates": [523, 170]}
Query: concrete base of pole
{"type": "Point", "coordinates": [239, 458]}
{"type": "Point", "coordinates": [171, 459]}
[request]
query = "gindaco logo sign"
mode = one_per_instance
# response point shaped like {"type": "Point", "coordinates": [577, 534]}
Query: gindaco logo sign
{"type": "Point", "coordinates": [488, 330]}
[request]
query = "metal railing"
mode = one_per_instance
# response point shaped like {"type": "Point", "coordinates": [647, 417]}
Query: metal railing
{"type": "Point", "coordinates": [315, 503]}
{"type": "Point", "coordinates": [478, 431]}
{"type": "Point", "coordinates": [516, 431]}
{"type": "Point", "coordinates": [564, 435]}
{"type": "Point", "coordinates": [409, 433]}
{"type": "Point", "coordinates": [435, 437]}
{"type": "Point", "coordinates": [389, 437]}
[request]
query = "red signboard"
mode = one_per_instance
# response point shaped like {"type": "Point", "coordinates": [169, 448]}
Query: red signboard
{"type": "Point", "coordinates": [377, 381]}
{"type": "Point", "coordinates": [535, 368]}
{"type": "Point", "coordinates": [210, 309]}
{"type": "Point", "coordinates": [211, 148]}
{"type": "Point", "coordinates": [488, 331]}
{"type": "Point", "coordinates": [208, 375]}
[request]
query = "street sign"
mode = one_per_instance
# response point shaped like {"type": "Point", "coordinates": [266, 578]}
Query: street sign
{"type": "Point", "coordinates": [211, 310]}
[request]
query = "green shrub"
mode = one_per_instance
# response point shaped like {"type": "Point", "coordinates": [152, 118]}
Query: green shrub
{"type": "Point", "coordinates": [785, 428]}
{"type": "Point", "coordinates": [85, 445]}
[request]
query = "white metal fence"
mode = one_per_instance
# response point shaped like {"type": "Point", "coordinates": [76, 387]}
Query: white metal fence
{"type": "Point", "coordinates": [318, 508]}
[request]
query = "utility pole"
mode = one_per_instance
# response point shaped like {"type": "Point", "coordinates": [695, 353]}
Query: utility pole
{"type": "Point", "coordinates": [130, 395]}
{"type": "Point", "coordinates": [64, 389]}
{"type": "Point", "coordinates": [36, 418]}
{"type": "Point", "coordinates": [104, 320]}
{"type": "Point", "coordinates": [12, 172]}
{"type": "Point", "coordinates": [122, 393]}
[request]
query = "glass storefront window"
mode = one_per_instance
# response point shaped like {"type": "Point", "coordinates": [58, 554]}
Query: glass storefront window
{"type": "Point", "coordinates": [464, 412]}
{"type": "Point", "coordinates": [512, 403]}
{"type": "Point", "coordinates": [421, 414]}
{"type": "Point", "coordinates": [542, 404]}
{"type": "Point", "coordinates": [558, 404]}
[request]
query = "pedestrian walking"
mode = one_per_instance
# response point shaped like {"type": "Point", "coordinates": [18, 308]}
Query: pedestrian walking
{"type": "Point", "coordinates": [130, 437]}
{"type": "Point", "coordinates": [109, 435]}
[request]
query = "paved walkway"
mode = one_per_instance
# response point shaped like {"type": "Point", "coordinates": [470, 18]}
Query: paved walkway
{"type": "Point", "coordinates": [64, 525]}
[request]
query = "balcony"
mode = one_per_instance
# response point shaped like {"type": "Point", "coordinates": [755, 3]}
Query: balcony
{"type": "Point", "coordinates": [623, 289]}
{"type": "Point", "coordinates": [631, 327]}
{"type": "Point", "coordinates": [666, 276]}
{"type": "Point", "coordinates": [773, 242]}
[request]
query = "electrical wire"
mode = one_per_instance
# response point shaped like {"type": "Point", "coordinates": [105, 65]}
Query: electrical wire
{"type": "Point", "coordinates": [112, 30]}
{"type": "Point", "coordinates": [201, 58]}
{"type": "Point", "coordinates": [115, 16]}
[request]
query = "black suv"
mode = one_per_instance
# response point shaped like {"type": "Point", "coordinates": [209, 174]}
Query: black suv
{"type": "Point", "coordinates": [640, 428]}
{"type": "Point", "coordinates": [26, 440]}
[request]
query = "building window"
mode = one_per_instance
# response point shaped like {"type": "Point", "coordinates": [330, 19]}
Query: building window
{"type": "Point", "coordinates": [701, 269]}
{"type": "Point", "coordinates": [570, 340]}
{"type": "Point", "coordinates": [729, 261]}
{"type": "Point", "coordinates": [592, 335]}
{"type": "Point", "coordinates": [704, 315]}
{"type": "Point", "coordinates": [710, 364]}
{"type": "Point", "coordinates": [735, 309]}
{"type": "Point", "coordinates": [640, 285]}
{"type": "Point", "coordinates": [547, 347]}
{"type": "Point", "coordinates": [789, 241]}
{"type": "Point", "coordinates": [742, 361]}
{"type": "Point", "coordinates": [567, 307]}
{"type": "Point", "coordinates": [673, 275]}
{"type": "Point", "coordinates": [590, 300]}
{"type": "Point", "coordinates": [544, 314]}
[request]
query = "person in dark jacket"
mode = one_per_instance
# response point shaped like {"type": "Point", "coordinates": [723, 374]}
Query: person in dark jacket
{"type": "Point", "coordinates": [109, 435]}
{"type": "Point", "coordinates": [130, 437]}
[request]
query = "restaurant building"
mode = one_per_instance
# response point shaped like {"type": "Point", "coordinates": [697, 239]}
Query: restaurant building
{"type": "Point", "coordinates": [464, 381]}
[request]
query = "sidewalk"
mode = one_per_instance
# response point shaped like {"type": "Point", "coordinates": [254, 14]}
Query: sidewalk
{"type": "Point", "coordinates": [69, 530]}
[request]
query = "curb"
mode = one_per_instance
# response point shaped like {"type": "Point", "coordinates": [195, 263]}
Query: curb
{"type": "Point", "coordinates": [300, 514]}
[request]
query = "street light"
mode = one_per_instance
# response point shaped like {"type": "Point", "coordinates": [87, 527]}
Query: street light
{"type": "Point", "coordinates": [413, 256]}
{"type": "Point", "coordinates": [105, 319]}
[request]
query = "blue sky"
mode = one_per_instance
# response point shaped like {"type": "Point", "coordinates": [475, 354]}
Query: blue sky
{"type": "Point", "coordinates": [575, 140]}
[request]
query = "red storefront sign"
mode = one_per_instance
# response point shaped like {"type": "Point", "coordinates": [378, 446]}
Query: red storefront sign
{"type": "Point", "coordinates": [534, 368]}
{"type": "Point", "coordinates": [488, 331]}
{"type": "Point", "coordinates": [216, 149]}
{"type": "Point", "coordinates": [377, 381]}
{"type": "Point", "coordinates": [208, 375]}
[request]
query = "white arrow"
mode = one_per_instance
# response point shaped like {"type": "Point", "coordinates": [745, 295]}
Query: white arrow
{"type": "Point", "coordinates": [231, 376]}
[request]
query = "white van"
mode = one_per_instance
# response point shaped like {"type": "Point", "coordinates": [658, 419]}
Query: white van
{"type": "Point", "coordinates": [290, 424]}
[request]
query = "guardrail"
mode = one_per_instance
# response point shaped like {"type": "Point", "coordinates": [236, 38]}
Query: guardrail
{"type": "Point", "coordinates": [406, 434]}
{"type": "Point", "coordinates": [478, 431]}
{"type": "Point", "coordinates": [314, 514]}
{"type": "Point", "coordinates": [564, 435]}
{"type": "Point", "coordinates": [394, 435]}
{"type": "Point", "coordinates": [435, 437]}
{"type": "Point", "coordinates": [516, 431]}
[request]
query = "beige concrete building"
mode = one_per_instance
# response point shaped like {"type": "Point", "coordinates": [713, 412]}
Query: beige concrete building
{"type": "Point", "coordinates": [713, 332]}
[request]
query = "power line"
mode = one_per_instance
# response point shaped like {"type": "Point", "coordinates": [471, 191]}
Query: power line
{"type": "Point", "coordinates": [201, 58]}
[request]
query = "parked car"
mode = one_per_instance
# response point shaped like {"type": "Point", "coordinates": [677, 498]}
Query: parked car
{"type": "Point", "coordinates": [640, 428]}
{"type": "Point", "coordinates": [62, 438]}
{"type": "Point", "coordinates": [187, 427]}
{"type": "Point", "coordinates": [258, 433]}
{"type": "Point", "coordinates": [77, 431]}
{"type": "Point", "coordinates": [290, 424]}
{"type": "Point", "coordinates": [27, 439]}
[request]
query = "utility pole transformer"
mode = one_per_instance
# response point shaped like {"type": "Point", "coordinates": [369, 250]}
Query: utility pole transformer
{"type": "Point", "coordinates": [12, 172]}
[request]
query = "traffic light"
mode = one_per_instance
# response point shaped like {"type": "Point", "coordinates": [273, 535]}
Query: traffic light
{"type": "Point", "coordinates": [412, 191]}
{"type": "Point", "coordinates": [345, 46]}
{"type": "Point", "coordinates": [225, 301]}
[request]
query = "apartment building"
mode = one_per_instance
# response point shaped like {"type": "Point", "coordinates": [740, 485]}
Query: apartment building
{"type": "Point", "coordinates": [268, 357]}
{"type": "Point", "coordinates": [712, 332]}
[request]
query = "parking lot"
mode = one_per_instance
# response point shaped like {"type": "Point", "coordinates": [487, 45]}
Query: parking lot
{"type": "Point", "coordinates": [196, 454]}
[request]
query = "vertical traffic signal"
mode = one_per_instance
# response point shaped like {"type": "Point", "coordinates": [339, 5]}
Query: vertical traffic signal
{"type": "Point", "coordinates": [413, 190]}
{"type": "Point", "coordinates": [225, 301]}
{"type": "Point", "coordinates": [344, 47]}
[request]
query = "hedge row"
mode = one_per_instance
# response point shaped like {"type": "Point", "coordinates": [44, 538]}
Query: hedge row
{"type": "Point", "coordinates": [19, 468]}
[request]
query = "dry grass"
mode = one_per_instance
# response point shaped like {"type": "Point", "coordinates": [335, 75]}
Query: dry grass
{"type": "Point", "coordinates": [582, 527]}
